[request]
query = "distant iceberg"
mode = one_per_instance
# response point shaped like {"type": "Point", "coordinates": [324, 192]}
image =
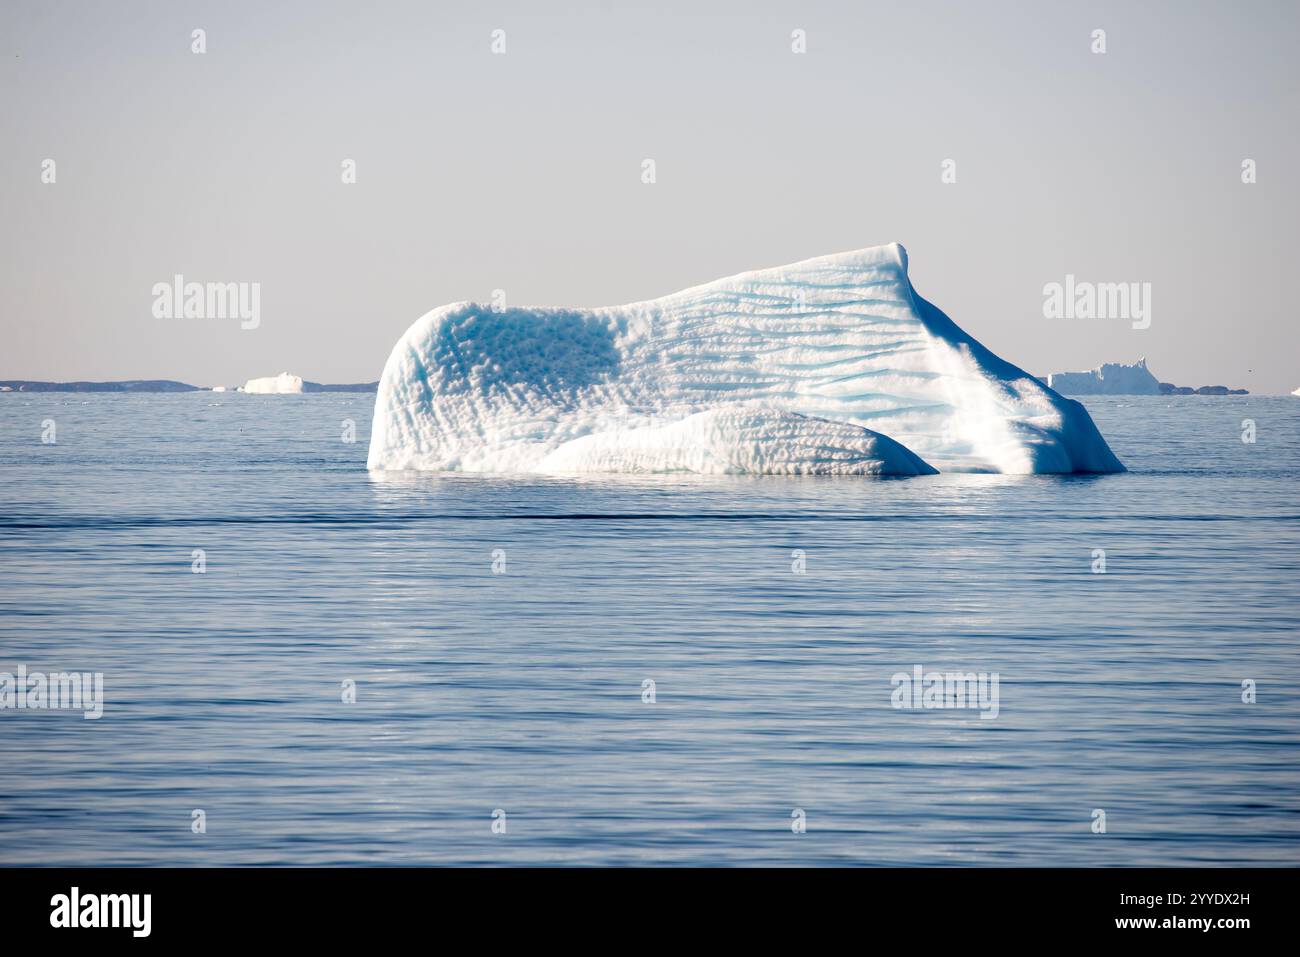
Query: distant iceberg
{"type": "Point", "coordinates": [834, 365]}
{"type": "Point", "coordinates": [1111, 378]}
{"type": "Point", "coordinates": [282, 384]}
{"type": "Point", "coordinates": [1116, 378]}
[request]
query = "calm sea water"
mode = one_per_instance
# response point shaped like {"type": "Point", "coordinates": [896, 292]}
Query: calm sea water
{"type": "Point", "coordinates": [523, 691]}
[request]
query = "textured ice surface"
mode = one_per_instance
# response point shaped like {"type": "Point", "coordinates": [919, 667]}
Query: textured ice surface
{"type": "Point", "coordinates": [832, 365]}
{"type": "Point", "coordinates": [278, 384]}
{"type": "Point", "coordinates": [1112, 378]}
{"type": "Point", "coordinates": [737, 440]}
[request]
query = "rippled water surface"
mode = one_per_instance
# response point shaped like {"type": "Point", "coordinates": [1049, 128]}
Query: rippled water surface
{"type": "Point", "coordinates": [523, 691]}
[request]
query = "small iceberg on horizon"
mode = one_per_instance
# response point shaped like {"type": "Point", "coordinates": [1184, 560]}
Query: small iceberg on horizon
{"type": "Point", "coordinates": [834, 365]}
{"type": "Point", "coordinates": [1118, 378]}
{"type": "Point", "coordinates": [282, 384]}
{"type": "Point", "coordinates": [1109, 378]}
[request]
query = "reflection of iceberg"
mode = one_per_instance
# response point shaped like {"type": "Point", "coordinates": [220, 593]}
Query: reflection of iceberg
{"type": "Point", "coordinates": [833, 365]}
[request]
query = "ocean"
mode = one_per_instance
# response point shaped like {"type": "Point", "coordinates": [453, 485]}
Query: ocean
{"type": "Point", "coordinates": [307, 664]}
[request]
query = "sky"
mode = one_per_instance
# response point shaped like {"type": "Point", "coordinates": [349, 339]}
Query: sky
{"type": "Point", "coordinates": [522, 171]}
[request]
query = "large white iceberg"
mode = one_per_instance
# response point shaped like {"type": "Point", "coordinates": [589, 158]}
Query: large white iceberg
{"type": "Point", "coordinates": [282, 384]}
{"type": "Point", "coordinates": [829, 366]}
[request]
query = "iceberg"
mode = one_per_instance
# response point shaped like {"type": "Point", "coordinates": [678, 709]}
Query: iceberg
{"type": "Point", "coordinates": [1110, 378]}
{"type": "Point", "coordinates": [282, 384]}
{"type": "Point", "coordinates": [834, 365]}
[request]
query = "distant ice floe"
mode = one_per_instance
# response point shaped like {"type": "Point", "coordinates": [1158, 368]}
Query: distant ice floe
{"type": "Point", "coordinates": [834, 365]}
{"type": "Point", "coordinates": [1111, 378]}
{"type": "Point", "coordinates": [282, 384]}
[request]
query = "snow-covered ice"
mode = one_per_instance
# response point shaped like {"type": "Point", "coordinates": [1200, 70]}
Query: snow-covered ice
{"type": "Point", "coordinates": [833, 365]}
{"type": "Point", "coordinates": [737, 440]}
{"type": "Point", "coordinates": [1111, 378]}
{"type": "Point", "coordinates": [281, 384]}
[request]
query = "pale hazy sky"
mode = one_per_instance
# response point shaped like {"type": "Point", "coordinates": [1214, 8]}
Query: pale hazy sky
{"type": "Point", "coordinates": [522, 171]}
